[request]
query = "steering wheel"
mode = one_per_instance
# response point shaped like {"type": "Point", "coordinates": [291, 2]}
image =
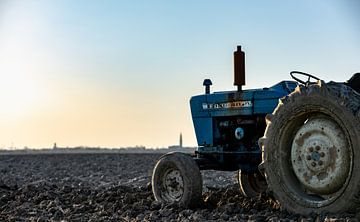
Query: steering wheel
{"type": "Point", "coordinates": [293, 73]}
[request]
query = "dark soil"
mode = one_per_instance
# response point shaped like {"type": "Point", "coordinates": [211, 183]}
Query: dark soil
{"type": "Point", "coordinates": [116, 187]}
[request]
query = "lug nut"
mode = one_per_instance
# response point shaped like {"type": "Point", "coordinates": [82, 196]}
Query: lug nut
{"type": "Point", "coordinates": [317, 147]}
{"type": "Point", "coordinates": [322, 154]}
{"type": "Point", "coordinates": [320, 162]}
{"type": "Point", "coordinates": [311, 149]}
{"type": "Point", "coordinates": [313, 164]}
{"type": "Point", "coordinates": [308, 157]}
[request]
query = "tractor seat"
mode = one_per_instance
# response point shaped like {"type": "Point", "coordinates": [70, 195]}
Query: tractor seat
{"type": "Point", "coordinates": [354, 82]}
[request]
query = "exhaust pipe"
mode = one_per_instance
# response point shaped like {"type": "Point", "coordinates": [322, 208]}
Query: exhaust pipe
{"type": "Point", "coordinates": [239, 68]}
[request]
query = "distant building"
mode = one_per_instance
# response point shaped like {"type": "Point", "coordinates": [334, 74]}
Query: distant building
{"type": "Point", "coordinates": [55, 146]}
{"type": "Point", "coordinates": [180, 147]}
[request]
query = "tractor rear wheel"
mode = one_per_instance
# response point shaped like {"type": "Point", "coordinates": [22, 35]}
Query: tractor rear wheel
{"type": "Point", "coordinates": [251, 185]}
{"type": "Point", "coordinates": [311, 149]}
{"type": "Point", "coordinates": [176, 178]}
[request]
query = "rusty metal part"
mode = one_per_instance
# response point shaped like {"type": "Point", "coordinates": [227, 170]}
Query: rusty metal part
{"type": "Point", "coordinates": [239, 68]}
{"type": "Point", "coordinates": [320, 156]}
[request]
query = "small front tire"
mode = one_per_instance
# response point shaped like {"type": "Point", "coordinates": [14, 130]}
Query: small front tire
{"type": "Point", "coordinates": [176, 178]}
{"type": "Point", "coordinates": [251, 185]}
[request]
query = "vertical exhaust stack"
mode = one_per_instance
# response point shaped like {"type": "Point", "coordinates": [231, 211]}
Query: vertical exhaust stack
{"type": "Point", "coordinates": [239, 68]}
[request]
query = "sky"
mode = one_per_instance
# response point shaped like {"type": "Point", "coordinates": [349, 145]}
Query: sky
{"type": "Point", "coordinates": [121, 73]}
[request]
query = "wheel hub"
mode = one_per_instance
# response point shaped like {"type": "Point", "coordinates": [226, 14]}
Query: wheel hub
{"type": "Point", "coordinates": [174, 185]}
{"type": "Point", "coordinates": [320, 156]}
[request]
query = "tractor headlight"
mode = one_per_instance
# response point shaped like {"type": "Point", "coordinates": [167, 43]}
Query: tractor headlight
{"type": "Point", "coordinates": [239, 133]}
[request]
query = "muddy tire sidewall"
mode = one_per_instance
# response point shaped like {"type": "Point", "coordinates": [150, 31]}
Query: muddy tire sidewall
{"type": "Point", "coordinates": [282, 127]}
{"type": "Point", "coordinates": [190, 173]}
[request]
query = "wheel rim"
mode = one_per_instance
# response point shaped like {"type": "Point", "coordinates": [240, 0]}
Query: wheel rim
{"type": "Point", "coordinates": [320, 156]}
{"type": "Point", "coordinates": [300, 176]}
{"type": "Point", "coordinates": [173, 185]}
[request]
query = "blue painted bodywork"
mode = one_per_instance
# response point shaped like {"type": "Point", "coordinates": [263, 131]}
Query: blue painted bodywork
{"type": "Point", "coordinates": [217, 115]}
{"type": "Point", "coordinates": [263, 101]}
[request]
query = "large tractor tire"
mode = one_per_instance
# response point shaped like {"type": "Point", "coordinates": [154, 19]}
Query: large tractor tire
{"type": "Point", "coordinates": [311, 149]}
{"type": "Point", "coordinates": [251, 185]}
{"type": "Point", "coordinates": [177, 179]}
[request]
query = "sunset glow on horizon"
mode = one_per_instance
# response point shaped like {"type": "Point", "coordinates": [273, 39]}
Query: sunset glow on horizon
{"type": "Point", "coordinates": [121, 73]}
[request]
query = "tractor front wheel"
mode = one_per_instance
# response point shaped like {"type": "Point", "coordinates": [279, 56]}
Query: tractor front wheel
{"type": "Point", "coordinates": [177, 179]}
{"type": "Point", "coordinates": [251, 185]}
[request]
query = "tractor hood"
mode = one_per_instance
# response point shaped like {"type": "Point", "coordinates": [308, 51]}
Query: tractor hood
{"type": "Point", "coordinates": [246, 102]}
{"type": "Point", "coordinates": [255, 102]}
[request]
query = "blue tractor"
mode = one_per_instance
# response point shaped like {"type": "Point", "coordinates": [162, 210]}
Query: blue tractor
{"type": "Point", "coordinates": [235, 132]}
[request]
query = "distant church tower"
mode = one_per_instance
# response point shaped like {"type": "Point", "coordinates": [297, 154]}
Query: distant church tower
{"type": "Point", "coordinates": [180, 141]}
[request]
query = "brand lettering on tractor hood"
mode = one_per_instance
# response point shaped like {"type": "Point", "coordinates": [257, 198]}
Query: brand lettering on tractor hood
{"type": "Point", "coordinates": [227, 105]}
